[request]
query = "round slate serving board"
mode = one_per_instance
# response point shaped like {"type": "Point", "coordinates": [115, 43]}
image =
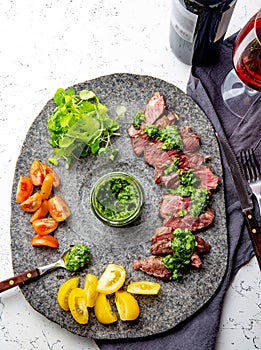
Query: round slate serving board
{"type": "Point", "coordinates": [176, 301]}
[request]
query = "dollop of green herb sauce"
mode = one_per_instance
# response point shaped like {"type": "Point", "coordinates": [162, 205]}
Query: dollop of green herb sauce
{"type": "Point", "coordinates": [138, 118]}
{"type": "Point", "coordinates": [183, 245]}
{"type": "Point", "coordinates": [117, 198]}
{"type": "Point", "coordinates": [170, 136]}
{"type": "Point", "coordinates": [78, 256]}
{"type": "Point", "coordinates": [199, 199]}
{"type": "Point", "coordinates": [199, 196]}
{"type": "Point", "coordinates": [173, 167]}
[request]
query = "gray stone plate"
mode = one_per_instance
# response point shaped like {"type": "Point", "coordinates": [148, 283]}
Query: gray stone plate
{"type": "Point", "coordinates": [176, 301]}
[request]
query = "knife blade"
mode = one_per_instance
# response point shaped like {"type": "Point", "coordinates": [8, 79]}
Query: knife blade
{"type": "Point", "coordinates": [243, 196]}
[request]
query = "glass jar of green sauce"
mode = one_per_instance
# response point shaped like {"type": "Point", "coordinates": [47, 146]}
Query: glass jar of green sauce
{"type": "Point", "coordinates": [117, 199]}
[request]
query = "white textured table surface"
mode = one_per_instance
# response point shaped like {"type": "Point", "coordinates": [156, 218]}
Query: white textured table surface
{"type": "Point", "coordinates": [49, 44]}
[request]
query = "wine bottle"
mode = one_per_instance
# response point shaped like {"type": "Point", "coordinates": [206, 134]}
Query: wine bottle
{"type": "Point", "coordinates": [197, 28]}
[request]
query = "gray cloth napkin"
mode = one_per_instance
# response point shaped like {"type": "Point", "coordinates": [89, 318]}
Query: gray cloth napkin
{"type": "Point", "coordinates": [200, 331]}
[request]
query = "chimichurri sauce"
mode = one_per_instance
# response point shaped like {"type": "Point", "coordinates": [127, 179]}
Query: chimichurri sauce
{"type": "Point", "coordinates": [117, 198]}
{"type": "Point", "coordinates": [78, 256]}
{"type": "Point", "coordinates": [183, 245]}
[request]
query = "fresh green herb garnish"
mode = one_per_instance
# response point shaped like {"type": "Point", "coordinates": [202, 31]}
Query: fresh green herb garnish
{"type": "Point", "coordinates": [78, 256]}
{"type": "Point", "coordinates": [183, 191]}
{"type": "Point", "coordinates": [170, 136]}
{"type": "Point", "coordinates": [187, 178]}
{"type": "Point", "coordinates": [173, 167]}
{"type": "Point", "coordinates": [187, 184]}
{"type": "Point", "coordinates": [186, 188]}
{"type": "Point", "coordinates": [183, 245]}
{"type": "Point", "coordinates": [152, 131]}
{"type": "Point", "coordinates": [199, 199]}
{"type": "Point", "coordinates": [182, 213]}
{"type": "Point", "coordinates": [138, 118]}
{"type": "Point", "coordinates": [53, 161]}
{"type": "Point", "coordinates": [80, 125]}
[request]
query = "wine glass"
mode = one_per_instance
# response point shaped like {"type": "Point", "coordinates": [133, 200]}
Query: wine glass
{"type": "Point", "coordinates": [242, 86]}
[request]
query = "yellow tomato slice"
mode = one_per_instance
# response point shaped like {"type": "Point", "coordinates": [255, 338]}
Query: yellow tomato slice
{"type": "Point", "coordinates": [127, 306]}
{"type": "Point", "coordinates": [112, 279]}
{"type": "Point", "coordinates": [78, 305]}
{"type": "Point", "coordinates": [144, 287]}
{"type": "Point", "coordinates": [90, 286]}
{"type": "Point", "coordinates": [103, 310]}
{"type": "Point", "coordinates": [65, 290]}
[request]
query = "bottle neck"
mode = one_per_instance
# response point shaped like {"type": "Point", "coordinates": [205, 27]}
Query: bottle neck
{"type": "Point", "coordinates": [198, 6]}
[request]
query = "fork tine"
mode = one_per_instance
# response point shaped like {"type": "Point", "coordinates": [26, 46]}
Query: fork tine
{"type": "Point", "coordinates": [256, 168]}
{"type": "Point", "coordinates": [250, 166]}
{"type": "Point", "coordinates": [243, 158]}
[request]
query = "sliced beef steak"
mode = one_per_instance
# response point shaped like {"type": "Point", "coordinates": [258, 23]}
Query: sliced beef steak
{"type": "Point", "coordinates": [202, 245]}
{"type": "Point", "coordinates": [163, 241]}
{"type": "Point", "coordinates": [139, 143]}
{"type": "Point", "coordinates": [169, 118]}
{"type": "Point", "coordinates": [162, 247]}
{"type": "Point", "coordinates": [207, 178]}
{"type": "Point", "coordinates": [191, 140]}
{"type": "Point", "coordinates": [190, 222]}
{"type": "Point", "coordinates": [174, 209]}
{"type": "Point", "coordinates": [154, 108]}
{"type": "Point", "coordinates": [195, 260]}
{"type": "Point", "coordinates": [154, 154]}
{"type": "Point", "coordinates": [154, 266]}
{"type": "Point", "coordinates": [190, 160]}
{"type": "Point", "coordinates": [162, 233]}
{"type": "Point", "coordinates": [171, 205]}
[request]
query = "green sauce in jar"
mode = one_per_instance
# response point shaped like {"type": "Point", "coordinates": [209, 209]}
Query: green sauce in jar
{"type": "Point", "coordinates": [117, 199]}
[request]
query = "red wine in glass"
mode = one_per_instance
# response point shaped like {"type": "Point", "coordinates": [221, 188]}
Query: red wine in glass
{"type": "Point", "coordinates": [241, 89]}
{"type": "Point", "coordinates": [247, 54]}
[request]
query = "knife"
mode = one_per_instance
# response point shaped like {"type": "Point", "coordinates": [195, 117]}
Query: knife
{"type": "Point", "coordinates": [244, 198]}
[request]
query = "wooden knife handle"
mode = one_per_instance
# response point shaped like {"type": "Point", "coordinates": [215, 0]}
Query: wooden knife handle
{"type": "Point", "coordinates": [255, 234]}
{"type": "Point", "coordinates": [18, 279]}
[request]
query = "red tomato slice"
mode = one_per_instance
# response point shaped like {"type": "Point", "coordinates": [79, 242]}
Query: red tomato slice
{"type": "Point", "coordinates": [37, 173]}
{"type": "Point", "coordinates": [48, 241]}
{"type": "Point", "coordinates": [47, 186]}
{"type": "Point", "coordinates": [58, 208]}
{"type": "Point", "coordinates": [41, 212]}
{"type": "Point", "coordinates": [32, 203]}
{"type": "Point", "coordinates": [50, 170]}
{"type": "Point", "coordinates": [44, 226]}
{"type": "Point", "coordinates": [24, 189]}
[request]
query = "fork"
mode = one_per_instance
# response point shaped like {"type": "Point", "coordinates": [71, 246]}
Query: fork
{"type": "Point", "coordinates": [252, 172]}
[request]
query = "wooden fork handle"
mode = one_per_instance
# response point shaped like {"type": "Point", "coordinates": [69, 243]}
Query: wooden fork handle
{"type": "Point", "coordinates": [18, 279]}
{"type": "Point", "coordinates": [255, 234]}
